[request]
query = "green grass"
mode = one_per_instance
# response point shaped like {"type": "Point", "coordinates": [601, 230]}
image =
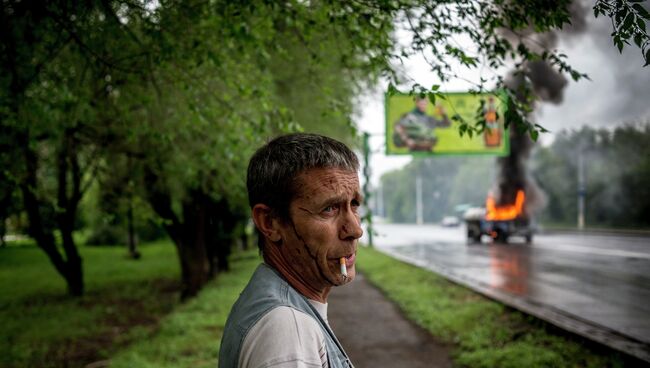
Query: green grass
{"type": "Point", "coordinates": [130, 314]}
{"type": "Point", "coordinates": [484, 333]}
{"type": "Point", "coordinates": [190, 337]}
{"type": "Point", "coordinates": [43, 327]}
{"type": "Point", "coordinates": [25, 270]}
{"type": "Point", "coordinates": [132, 317]}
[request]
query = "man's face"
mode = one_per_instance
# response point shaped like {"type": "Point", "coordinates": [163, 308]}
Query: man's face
{"type": "Point", "coordinates": [324, 226]}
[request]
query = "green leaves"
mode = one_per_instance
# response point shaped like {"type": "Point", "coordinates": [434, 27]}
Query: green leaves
{"type": "Point", "coordinates": [628, 22]}
{"type": "Point", "coordinates": [431, 94]}
{"type": "Point", "coordinates": [640, 10]}
{"type": "Point", "coordinates": [392, 90]}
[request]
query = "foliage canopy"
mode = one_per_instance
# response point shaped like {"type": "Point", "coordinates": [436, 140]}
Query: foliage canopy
{"type": "Point", "coordinates": [186, 90]}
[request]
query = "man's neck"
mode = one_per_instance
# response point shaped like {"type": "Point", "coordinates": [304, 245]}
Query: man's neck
{"type": "Point", "coordinates": [273, 258]}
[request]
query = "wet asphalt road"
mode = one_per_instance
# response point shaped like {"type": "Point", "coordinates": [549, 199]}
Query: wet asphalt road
{"type": "Point", "coordinates": [599, 279]}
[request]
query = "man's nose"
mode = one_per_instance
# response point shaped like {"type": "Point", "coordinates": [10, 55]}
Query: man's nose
{"type": "Point", "coordinates": [351, 227]}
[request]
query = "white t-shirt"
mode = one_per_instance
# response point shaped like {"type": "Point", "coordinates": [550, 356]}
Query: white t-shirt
{"type": "Point", "coordinates": [286, 338]}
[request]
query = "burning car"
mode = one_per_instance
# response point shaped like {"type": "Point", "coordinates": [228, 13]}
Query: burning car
{"type": "Point", "coordinates": [499, 222]}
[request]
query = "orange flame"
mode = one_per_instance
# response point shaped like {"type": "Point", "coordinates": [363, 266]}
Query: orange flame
{"type": "Point", "coordinates": [505, 212]}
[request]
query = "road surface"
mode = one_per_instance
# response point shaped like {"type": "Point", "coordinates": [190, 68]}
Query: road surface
{"type": "Point", "coordinates": [596, 285]}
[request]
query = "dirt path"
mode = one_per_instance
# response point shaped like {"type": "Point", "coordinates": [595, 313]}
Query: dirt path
{"type": "Point", "coordinates": [375, 334]}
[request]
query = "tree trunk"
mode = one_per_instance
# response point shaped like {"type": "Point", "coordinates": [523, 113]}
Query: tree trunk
{"type": "Point", "coordinates": [3, 231]}
{"type": "Point", "coordinates": [243, 237]}
{"type": "Point", "coordinates": [133, 251]}
{"type": "Point", "coordinates": [68, 165]}
{"type": "Point", "coordinates": [189, 235]}
{"type": "Point", "coordinates": [41, 214]}
{"type": "Point", "coordinates": [188, 238]}
{"type": "Point", "coordinates": [5, 211]}
{"type": "Point", "coordinates": [195, 264]}
{"type": "Point", "coordinates": [218, 241]}
{"type": "Point", "coordinates": [41, 227]}
{"type": "Point", "coordinates": [74, 269]}
{"type": "Point", "coordinates": [194, 268]}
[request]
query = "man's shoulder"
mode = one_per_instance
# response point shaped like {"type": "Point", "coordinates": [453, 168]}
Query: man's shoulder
{"type": "Point", "coordinates": [264, 287]}
{"type": "Point", "coordinates": [265, 291]}
{"type": "Point", "coordinates": [289, 321]}
{"type": "Point", "coordinates": [284, 334]}
{"type": "Point", "coordinates": [264, 283]}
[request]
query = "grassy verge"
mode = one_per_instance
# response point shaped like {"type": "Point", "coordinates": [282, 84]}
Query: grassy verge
{"type": "Point", "coordinates": [130, 315]}
{"type": "Point", "coordinates": [484, 333]}
{"type": "Point", "coordinates": [43, 327]}
{"type": "Point", "coordinates": [190, 337]}
{"type": "Point", "coordinates": [26, 272]}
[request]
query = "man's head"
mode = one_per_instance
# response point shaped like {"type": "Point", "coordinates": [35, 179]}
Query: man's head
{"type": "Point", "coordinates": [421, 104]}
{"type": "Point", "coordinates": [274, 168]}
{"type": "Point", "coordinates": [304, 193]}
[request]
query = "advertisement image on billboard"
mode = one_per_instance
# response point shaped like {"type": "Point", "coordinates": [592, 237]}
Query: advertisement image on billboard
{"type": "Point", "coordinates": [415, 126]}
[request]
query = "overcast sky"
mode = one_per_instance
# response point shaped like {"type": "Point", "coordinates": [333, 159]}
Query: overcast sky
{"type": "Point", "coordinates": [619, 92]}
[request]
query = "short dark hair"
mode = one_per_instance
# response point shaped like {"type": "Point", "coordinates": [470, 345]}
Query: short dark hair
{"type": "Point", "coordinates": [274, 167]}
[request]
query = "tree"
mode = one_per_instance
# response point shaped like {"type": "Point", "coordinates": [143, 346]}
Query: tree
{"type": "Point", "coordinates": [29, 45]}
{"type": "Point", "coordinates": [614, 164]}
{"type": "Point", "coordinates": [188, 89]}
{"type": "Point", "coordinates": [446, 183]}
{"type": "Point", "coordinates": [196, 176]}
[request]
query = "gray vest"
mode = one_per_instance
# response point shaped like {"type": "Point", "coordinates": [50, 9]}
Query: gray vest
{"type": "Point", "coordinates": [265, 291]}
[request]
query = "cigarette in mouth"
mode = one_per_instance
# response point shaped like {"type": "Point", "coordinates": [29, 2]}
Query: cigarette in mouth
{"type": "Point", "coordinates": [344, 269]}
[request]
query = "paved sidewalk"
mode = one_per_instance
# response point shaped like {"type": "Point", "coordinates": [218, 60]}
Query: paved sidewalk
{"type": "Point", "coordinates": [375, 334]}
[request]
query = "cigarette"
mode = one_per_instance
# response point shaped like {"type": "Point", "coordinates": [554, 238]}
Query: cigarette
{"type": "Point", "coordinates": [344, 269]}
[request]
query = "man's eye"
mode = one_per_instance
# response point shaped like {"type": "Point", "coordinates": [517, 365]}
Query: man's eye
{"type": "Point", "coordinates": [355, 203]}
{"type": "Point", "coordinates": [329, 209]}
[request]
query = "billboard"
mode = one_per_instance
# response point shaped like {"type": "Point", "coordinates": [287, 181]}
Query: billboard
{"type": "Point", "coordinates": [415, 126]}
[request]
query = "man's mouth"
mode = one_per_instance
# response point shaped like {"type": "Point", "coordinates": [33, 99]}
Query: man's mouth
{"type": "Point", "coordinates": [346, 262]}
{"type": "Point", "coordinates": [349, 259]}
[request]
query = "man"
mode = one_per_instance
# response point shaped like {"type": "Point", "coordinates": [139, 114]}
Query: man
{"type": "Point", "coordinates": [304, 194]}
{"type": "Point", "coordinates": [415, 129]}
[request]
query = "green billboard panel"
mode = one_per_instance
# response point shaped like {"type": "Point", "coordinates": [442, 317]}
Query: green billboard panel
{"type": "Point", "coordinates": [415, 126]}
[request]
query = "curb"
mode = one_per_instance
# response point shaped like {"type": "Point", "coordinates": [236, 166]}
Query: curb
{"type": "Point", "coordinates": [593, 231]}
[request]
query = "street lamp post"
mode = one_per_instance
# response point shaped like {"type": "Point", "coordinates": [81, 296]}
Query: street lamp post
{"type": "Point", "coordinates": [418, 200]}
{"type": "Point", "coordinates": [366, 184]}
{"type": "Point", "coordinates": [581, 191]}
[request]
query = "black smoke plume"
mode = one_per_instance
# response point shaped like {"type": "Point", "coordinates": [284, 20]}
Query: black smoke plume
{"type": "Point", "coordinates": [547, 85]}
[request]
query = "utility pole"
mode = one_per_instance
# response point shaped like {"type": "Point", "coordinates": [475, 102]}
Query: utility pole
{"type": "Point", "coordinates": [366, 185]}
{"type": "Point", "coordinates": [418, 200]}
{"type": "Point", "coordinates": [380, 201]}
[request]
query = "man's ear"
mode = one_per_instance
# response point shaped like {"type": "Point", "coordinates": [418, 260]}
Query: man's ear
{"type": "Point", "coordinates": [266, 223]}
